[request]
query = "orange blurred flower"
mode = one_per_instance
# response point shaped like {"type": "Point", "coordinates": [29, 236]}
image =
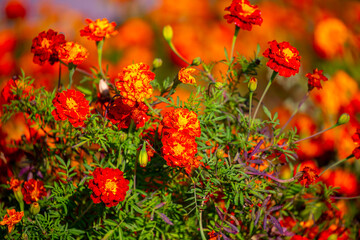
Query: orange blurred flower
{"type": "Point", "coordinates": [15, 184]}
{"type": "Point", "coordinates": [309, 176]}
{"type": "Point", "coordinates": [33, 191]}
{"type": "Point", "coordinates": [283, 58]}
{"type": "Point", "coordinates": [315, 78]}
{"type": "Point", "coordinates": [109, 186]}
{"type": "Point", "coordinates": [345, 180]}
{"type": "Point", "coordinates": [243, 14]}
{"type": "Point", "coordinates": [134, 82]}
{"type": "Point", "coordinates": [46, 46]}
{"type": "Point", "coordinates": [11, 218]}
{"type": "Point", "coordinates": [72, 105]}
{"type": "Point", "coordinates": [182, 120]}
{"type": "Point", "coordinates": [185, 76]}
{"type": "Point", "coordinates": [74, 53]}
{"type": "Point", "coordinates": [7, 93]}
{"type": "Point", "coordinates": [356, 139]}
{"type": "Point", "coordinates": [98, 30]}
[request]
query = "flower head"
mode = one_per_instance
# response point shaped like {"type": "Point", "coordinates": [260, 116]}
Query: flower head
{"type": "Point", "coordinates": [182, 120]}
{"type": "Point", "coordinates": [185, 76]}
{"type": "Point", "coordinates": [309, 176]}
{"type": "Point", "coordinates": [283, 58]}
{"type": "Point", "coordinates": [9, 92]}
{"type": "Point", "coordinates": [15, 184]}
{"type": "Point", "coordinates": [108, 186]}
{"type": "Point", "coordinates": [315, 78]}
{"type": "Point", "coordinates": [243, 14]}
{"type": "Point", "coordinates": [11, 218]}
{"type": "Point", "coordinates": [46, 46]}
{"type": "Point", "coordinates": [33, 191]}
{"type": "Point", "coordinates": [98, 30]}
{"type": "Point", "coordinates": [134, 82]}
{"type": "Point", "coordinates": [356, 139]}
{"type": "Point", "coordinates": [72, 53]}
{"type": "Point", "coordinates": [72, 105]}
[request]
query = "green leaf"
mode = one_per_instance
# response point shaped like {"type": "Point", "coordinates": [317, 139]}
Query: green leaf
{"type": "Point", "coordinates": [84, 90]}
{"type": "Point", "coordinates": [267, 112]}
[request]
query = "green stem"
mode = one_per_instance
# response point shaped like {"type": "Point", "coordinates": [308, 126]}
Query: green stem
{"type": "Point", "coordinates": [72, 68]}
{"type": "Point", "coordinates": [263, 95]}
{"type": "Point", "coordinates": [336, 163]}
{"type": "Point", "coordinates": [178, 54]}
{"type": "Point", "coordinates": [234, 41]}
{"type": "Point", "coordinates": [250, 103]}
{"type": "Point", "coordinates": [317, 134]}
{"type": "Point", "coordinates": [100, 45]}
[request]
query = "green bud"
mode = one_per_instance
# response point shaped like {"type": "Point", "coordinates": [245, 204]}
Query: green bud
{"type": "Point", "coordinates": [343, 119]}
{"type": "Point", "coordinates": [157, 63]}
{"type": "Point", "coordinates": [219, 85]}
{"type": "Point", "coordinates": [220, 153]}
{"type": "Point", "coordinates": [18, 195]}
{"type": "Point", "coordinates": [34, 208]}
{"type": "Point", "coordinates": [196, 61]}
{"type": "Point", "coordinates": [143, 156]}
{"type": "Point", "coordinates": [168, 33]}
{"type": "Point", "coordinates": [123, 137]}
{"type": "Point", "coordinates": [252, 85]}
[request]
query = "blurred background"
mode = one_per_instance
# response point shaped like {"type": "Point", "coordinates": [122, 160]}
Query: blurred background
{"type": "Point", "coordinates": [326, 33]}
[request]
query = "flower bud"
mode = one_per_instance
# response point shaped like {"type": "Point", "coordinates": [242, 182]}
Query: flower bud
{"type": "Point", "coordinates": [18, 195]}
{"type": "Point", "coordinates": [123, 137]}
{"type": "Point", "coordinates": [157, 63]}
{"type": "Point", "coordinates": [103, 88]}
{"type": "Point", "coordinates": [252, 85]}
{"type": "Point", "coordinates": [196, 61]}
{"type": "Point", "coordinates": [34, 208]}
{"type": "Point", "coordinates": [343, 119]}
{"type": "Point", "coordinates": [168, 33]}
{"type": "Point", "coordinates": [219, 85]}
{"type": "Point", "coordinates": [143, 156]}
{"type": "Point", "coordinates": [220, 153]}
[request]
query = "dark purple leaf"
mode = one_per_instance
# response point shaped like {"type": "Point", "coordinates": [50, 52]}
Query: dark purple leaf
{"type": "Point", "coordinates": [265, 221]}
{"type": "Point", "coordinates": [275, 208]}
{"type": "Point", "coordinates": [256, 161]}
{"type": "Point", "coordinates": [229, 230]}
{"type": "Point", "coordinates": [166, 219]}
{"type": "Point", "coordinates": [256, 148]}
{"type": "Point", "coordinates": [264, 204]}
{"type": "Point", "coordinates": [248, 201]}
{"type": "Point", "coordinates": [246, 155]}
{"type": "Point", "coordinates": [233, 227]}
{"type": "Point", "coordinates": [276, 224]}
{"type": "Point", "coordinates": [221, 215]}
{"type": "Point", "coordinates": [24, 170]}
{"type": "Point", "coordinates": [257, 217]}
{"type": "Point", "coordinates": [225, 237]}
{"type": "Point", "coordinates": [159, 205]}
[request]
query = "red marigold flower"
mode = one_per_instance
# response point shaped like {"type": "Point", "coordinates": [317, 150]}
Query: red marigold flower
{"type": "Point", "coordinates": [179, 151]}
{"type": "Point", "coordinates": [182, 120]}
{"type": "Point", "coordinates": [356, 139]}
{"type": "Point", "coordinates": [33, 191]}
{"type": "Point", "coordinates": [15, 9]}
{"type": "Point", "coordinates": [184, 75]}
{"type": "Point", "coordinates": [45, 47]}
{"type": "Point", "coordinates": [283, 58]}
{"type": "Point", "coordinates": [108, 186]}
{"type": "Point", "coordinates": [134, 82]}
{"type": "Point", "coordinates": [7, 93]}
{"type": "Point", "coordinates": [315, 78]}
{"type": "Point", "coordinates": [98, 30]}
{"type": "Point", "coordinates": [72, 105]}
{"type": "Point", "coordinates": [15, 184]}
{"type": "Point", "coordinates": [11, 218]}
{"type": "Point", "coordinates": [309, 176]}
{"type": "Point", "coordinates": [243, 14]}
{"type": "Point", "coordinates": [298, 237]}
{"type": "Point", "coordinates": [123, 110]}
{"type": "Point", "coordinates": [72, 53]}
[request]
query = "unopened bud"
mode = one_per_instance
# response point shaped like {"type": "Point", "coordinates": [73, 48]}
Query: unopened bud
{"type": "Point", "coordinates": [18, 195]}
{"type": "Point", "coordinates": [103, 88]}
{"type": "Point", "coordinates": [143, 156]}
{"type": "Point", "coordinates": [196, 61]}
{"type": "Point", "coordinates": [168, 33]}
{"type": "Point", "coordinates": [219, 85]}
{"type": "Point", "coordinates": [34, 208]}
{"type": "Point", "coordinates": [343, 119]}
{"type": "Point", "coordinates": [123, 137]}
{"type": "Point", "coordinates": [252, 85]}
{"type": "Point", "coordinates": [220, 153]}
{"type": "Point", "coordinates": [157, 63]}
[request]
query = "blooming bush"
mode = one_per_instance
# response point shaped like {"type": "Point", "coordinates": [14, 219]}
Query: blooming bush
{"type": "Point", "coordinates": [121, 156]}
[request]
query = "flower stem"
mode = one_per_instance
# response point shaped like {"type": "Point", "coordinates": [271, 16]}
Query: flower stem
{"type": "Point", "coordinates": [250, 103]}
{"type": "Point", "coordinates": [234, 41]}
{"type": "Point", "coordinates": [59, 81]}
{"type": "Point", "coordinates": [178, 54]}
{"type": "Point", "coordinates": [317, 134]}
{"type": "Point", "coordinates": [100, 45]}
{"type": "Point", "coordinates": [336, 163]}
{"type": "Point", "coordinates": [71, 74]}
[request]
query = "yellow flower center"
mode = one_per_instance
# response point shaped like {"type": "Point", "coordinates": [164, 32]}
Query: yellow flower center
{"type": "Point", "coordinates": [288, 54]}
{"type": "Point", "coordinates": [178, 149]}
{"type": "Point", "coordinates": [110, 185]}
{"type": "Point", "coordinates": [71, 104]}
{"type": "Point", "coordinates": [248, 9]}
{"type": "Point", "coordinates": [182, 121]}
{"type": "Point", "coordinates": [45, 43]}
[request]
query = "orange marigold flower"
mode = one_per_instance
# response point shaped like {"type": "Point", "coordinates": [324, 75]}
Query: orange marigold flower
{"type": "Point", "coordinates": [309, 176]}
{"type": "Point", "coordinates": [11, 218]}
{"type": "Point", "coordinates": [356, 139]}
{"type": "Point", "coordinates": [72, 105]}
{"type": "Point", "coordinates": [122, 111]}
{"type": "Point", "coordinates": [108, 186]}
{"type": "Point", "coordinates": [15, 184]}
{"type": "Point", "coordinates": [283, 58]}
{"type": "Point", "coordinates": [33, 191]}
{"type": "Point", "coordinates": [74, 53]}
{"type": "Point", "coordinates": [182, 120]}
{"type": "Point", "coordinates": [7, 93]}
{"type": "Point", "coordinates": [179, 150]}
{"type": "Point", "coordinates": [46, 46]}
{"type": "Point", "coordinates": [213, 235]}
{"type": "Point", "coordinates": [184, 75]}
{"type": "Point", "coordinates": [98, 30]}
{"type": "Point", "coordinates": [134, 82]}
{"type": "Point", "coordinates": [315, 78]}
{"type": "Point", "coordinates": [243, 14]}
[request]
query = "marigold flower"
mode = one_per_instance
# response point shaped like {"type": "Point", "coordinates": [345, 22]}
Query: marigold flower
{"type": "Point", "coordinates": [184, 75]}
{"type": "Point", "coordinates": [108, 186]}
{"type": "Point", "coordinates": [15, 9]}
{"type": "Point", "coordinates": [98, 30]}
{"type": "Point", "coordinates": [46, 46]}
{"type": "Point", "coordinates": [33, 191]}
{"type": "Point", "coordinates": [72, 105]}
{"type": "Point", "coordinates": [15, 184]}
{"type": "Point", "coordinates": [8, 93]}
{"type": "Point", "coordinates": [74, 53]}
{"type": "Point", "coordinates": [123, 110]}
{"type": "Point", "coordinates": [11, 218]}
{"type": "Point", "coordinates": [283, 58]}
{"type": "Point", "coordinates": [356, 139]}
{"type": "Point", "coordinates": [182, 120]}
{"type": "Point", "coordinates": [309, 176]}
{"type": "Point", "coordinates": [243, 14]}
{"type": "Point", "coordinates": [315, 78]}
{"type": "Point", "coordinates": [134, 82]}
